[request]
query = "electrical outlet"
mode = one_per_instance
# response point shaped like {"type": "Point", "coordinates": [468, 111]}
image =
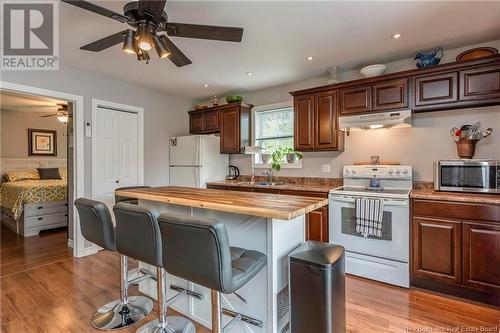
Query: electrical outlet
{"type": "Point", "coordinates": [325, 168]}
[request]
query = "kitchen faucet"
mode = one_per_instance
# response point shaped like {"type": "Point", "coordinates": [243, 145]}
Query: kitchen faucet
{"type": "Point", "coordinates": [269, 174]}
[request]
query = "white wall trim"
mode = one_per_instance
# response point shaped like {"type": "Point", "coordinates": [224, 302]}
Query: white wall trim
{"type": "Point", "coordinates": [78, 156]}
{"type": "Point", "coordinates": [96, 103]}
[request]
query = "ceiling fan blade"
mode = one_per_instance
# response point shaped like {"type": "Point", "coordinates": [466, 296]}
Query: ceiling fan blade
{"type": "Point", "coordinates": [50, 115]}
{"type": "Point", "coordinates": [229, 34]}
{"type": "Point", "coordinates": [105, 42]}
{"type": "Point", "coordinates": [154, 7]}
{"type": "Point", "coordinates": [176, 55]}
{"type": "Point", "coordinates": [98, 10]}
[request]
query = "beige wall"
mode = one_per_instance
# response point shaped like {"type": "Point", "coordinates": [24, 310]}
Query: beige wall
{"type": "Point", "coordinates": [14, 137]}
{"type": "Point", "coordinates": [419, 146]}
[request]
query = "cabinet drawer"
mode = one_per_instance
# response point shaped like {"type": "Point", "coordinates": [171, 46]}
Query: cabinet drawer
{"type": "Point", "coordinates": [44, 208]}
{"type": "Point", "coordinates": [45, 220]}
{"type": "Point", "coordinates": [456, 210]}
{"type": "Point", "coordinates": [305, 193]}
{"type": "Point", "coordinates": [436, 89]}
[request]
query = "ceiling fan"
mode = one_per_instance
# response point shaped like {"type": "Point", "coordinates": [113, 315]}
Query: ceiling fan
{"type": "Point", "coordinates": [62, 113]}
{"type": "Point", "coordinates": [147, 20]}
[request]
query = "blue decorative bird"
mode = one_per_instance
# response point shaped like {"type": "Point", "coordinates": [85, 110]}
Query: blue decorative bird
{"type": "Point", "coordinates": [426, 59]}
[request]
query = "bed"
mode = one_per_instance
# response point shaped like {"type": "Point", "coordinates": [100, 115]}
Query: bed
{"type": "Point", "coordinates": [30, 205]}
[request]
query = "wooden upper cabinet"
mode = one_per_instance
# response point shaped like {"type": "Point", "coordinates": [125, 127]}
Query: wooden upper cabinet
{"type": "Point", "coordinates": [437, 249]}
{"type": "Point", "coordinates": [195, 123]}
{"type": "Point", "coordinates": [481, 255]}
{"type": "Point", "coordinates": [480, 83]}
{"type": "Point", "coordinates": [390, 95]}
{"type": "Point", "coordinates": [211, 121]}
{"type": "Point", "coordinates": [326, 121]}
{"type": "Point", "coordinates": [436, 89]}
{"type": "Point", "coordinates": [355, 100]}
{"type": "Point", "coordinates": [303, 122]}
{"type": "Point", "coordinates": [230, 135]}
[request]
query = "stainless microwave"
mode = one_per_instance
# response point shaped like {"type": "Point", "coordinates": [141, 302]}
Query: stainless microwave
{"type": "Point", "coordinates": [467, 176]}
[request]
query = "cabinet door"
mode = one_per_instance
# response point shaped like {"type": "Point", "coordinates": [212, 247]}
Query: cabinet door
{"type": "Point", "coordinates": [481, 255]}
{"type": "Point", "coordinates": [325, 121]}
{"type": "Point", "coordinates": [436, 89]}
{"type": "Point", "coordinates": [230, 131]}
{"type": "Point", "coordinates": [390, 95]}
{"type": "Point", "coordinates": [211, 122]}
{"type": "Point", "coordinates": [436, 249]}
{"type": "Point", "coordinates": [317, 225]}
{"type": "Point", "coordinates": [195, 123]}
{"type": "Point", "coordinates": [355, 100]}
{"type": "Point", "coordinates": [304, 122]}
{"type": "Point", "coordinates": [480, 83]}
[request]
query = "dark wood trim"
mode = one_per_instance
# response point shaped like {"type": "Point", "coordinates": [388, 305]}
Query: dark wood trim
{"type": "Point", "coordinates": [452, 66]}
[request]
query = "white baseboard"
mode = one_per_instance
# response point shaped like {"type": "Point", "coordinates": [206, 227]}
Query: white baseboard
{"type": "Point", "coordinates": [70, 243]}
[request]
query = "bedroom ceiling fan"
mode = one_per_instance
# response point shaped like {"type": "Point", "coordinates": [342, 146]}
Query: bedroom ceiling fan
{"type": "Point", "coordinates": [62, 113]}
{"type": "Point", "coordinates": [150, 28]}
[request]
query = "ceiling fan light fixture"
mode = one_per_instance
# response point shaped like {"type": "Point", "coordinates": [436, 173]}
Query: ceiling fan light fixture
{"type": "Point", "coordinates": [129, 42]}
{"type": "Point", "coordinates": [144, 41]}
{"type": "Point", "coordinates": [143, 56]}
{"type": "Point", "coordinates": [160, 47]}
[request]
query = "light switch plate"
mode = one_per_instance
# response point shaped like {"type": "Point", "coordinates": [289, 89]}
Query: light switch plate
{"type": "Point", "coordinates": [325, 168]}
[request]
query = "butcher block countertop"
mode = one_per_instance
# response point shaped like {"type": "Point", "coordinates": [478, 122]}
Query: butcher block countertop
{"type": "Point", "coordinates": [277, 206]}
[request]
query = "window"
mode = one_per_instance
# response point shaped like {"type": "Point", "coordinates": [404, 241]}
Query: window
{"type": "Point", "coordinates": [273, 129]}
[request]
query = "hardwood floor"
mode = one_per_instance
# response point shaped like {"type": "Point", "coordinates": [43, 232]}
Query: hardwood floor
{"type": "Point", "coordinates": [19, 254]}
{"type": "Point", "coordinates": [60, 296]}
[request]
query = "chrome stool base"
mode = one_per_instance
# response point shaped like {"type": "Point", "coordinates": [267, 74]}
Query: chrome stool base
{"type": "Point", "coordinates": [174, 324]}
{"type": "Point", "coordinates": [112, 315]}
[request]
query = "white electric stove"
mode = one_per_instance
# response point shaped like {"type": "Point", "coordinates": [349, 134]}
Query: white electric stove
{"type": "Point", "coordinates": [382, 258]}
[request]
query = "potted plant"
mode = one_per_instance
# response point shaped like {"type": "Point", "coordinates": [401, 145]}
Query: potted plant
{"type": "Point", "coordinates": [265, 157]}
{"type": "Point", "coordinates": [292, 156]}
{"type": "Point", "coordinates": [278, 157]}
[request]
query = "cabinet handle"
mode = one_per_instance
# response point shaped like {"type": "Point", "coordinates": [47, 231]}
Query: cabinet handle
{"type": "Point", "coordinates": [40, 207]}
{"type": "Point", "coordinates": [40, 218]}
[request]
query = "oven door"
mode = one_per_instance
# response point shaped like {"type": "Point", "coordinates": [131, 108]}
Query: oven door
{"type": "Point", "coordinates": [394, 242]}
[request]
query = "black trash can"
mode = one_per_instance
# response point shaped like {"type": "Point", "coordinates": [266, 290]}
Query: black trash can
{"type": "Point", "coordinates": [317, 288]}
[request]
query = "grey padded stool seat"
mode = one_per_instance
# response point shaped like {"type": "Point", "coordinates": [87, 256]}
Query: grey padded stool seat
{"type": "Point", "coordinates": [134, 201]}
{"type": "Point", "coordinates": [197, 249]}
{"type": "Point", "coordinates": [138, 236]}
{"type": "Point", "coordinates": [97, 227]}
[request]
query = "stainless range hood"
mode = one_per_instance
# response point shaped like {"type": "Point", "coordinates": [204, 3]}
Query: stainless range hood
{"type": "Point", "coordinates": [376, 120]}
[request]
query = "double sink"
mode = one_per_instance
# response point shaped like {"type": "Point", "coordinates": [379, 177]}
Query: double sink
{"type": "Point", "coordinates": [262, 183]}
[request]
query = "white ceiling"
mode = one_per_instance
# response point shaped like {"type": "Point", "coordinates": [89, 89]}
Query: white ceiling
{"type": "Point", "coordinates": [278, 37]}
{"type": "Point", "coordinates": [28, 103]}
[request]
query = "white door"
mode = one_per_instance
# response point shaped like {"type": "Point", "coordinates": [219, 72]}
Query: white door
{"type": "Point", "coordinates": [185, 150]}
{"type": "Point", "coordinates": [116, 159]}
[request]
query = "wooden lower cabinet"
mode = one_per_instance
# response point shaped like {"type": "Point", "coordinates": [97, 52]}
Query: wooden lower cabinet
{"type": "Point", "coordinates": [456, 249]}
{"type": "Point", "coordinates": [437, 249]}
{"type": "Point", "coordinates": [316, 221]}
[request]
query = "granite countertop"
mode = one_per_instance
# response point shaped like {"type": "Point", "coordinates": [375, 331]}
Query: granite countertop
{"type": "Point", "coordinates": [427, 192]}
{"type": "Point", "coordinates": [277, 206]}
{"type": "Point", "coordinates": [307, 184]}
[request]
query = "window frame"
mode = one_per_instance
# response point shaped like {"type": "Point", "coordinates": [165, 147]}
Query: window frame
{"type": "Point", "coordinates": [269, 107]}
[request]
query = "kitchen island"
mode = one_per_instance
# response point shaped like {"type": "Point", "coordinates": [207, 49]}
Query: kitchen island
{"type": "Point", "coordinates": [270, 223]}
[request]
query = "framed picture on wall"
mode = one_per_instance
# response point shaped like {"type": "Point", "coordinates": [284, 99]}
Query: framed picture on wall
{"type": "Point", "coordinates": [42, 142]}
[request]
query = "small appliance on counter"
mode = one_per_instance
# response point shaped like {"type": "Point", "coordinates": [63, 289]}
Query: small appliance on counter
{"type": "Point", "coordinates": [478, 176]}
{"type": "Point", "coordinates": [233, 173]}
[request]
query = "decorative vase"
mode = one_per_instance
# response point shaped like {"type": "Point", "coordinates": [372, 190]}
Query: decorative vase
{"type": "Point", "coordinates": [266, 158]}
{"type": "Point", "coordinates": [466, 148]}
{"type": "Point", "coordinates": [291, 158]}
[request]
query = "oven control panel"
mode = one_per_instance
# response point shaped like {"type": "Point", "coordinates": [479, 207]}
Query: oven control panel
{"type": "Point", "coordinates": [378, 171]}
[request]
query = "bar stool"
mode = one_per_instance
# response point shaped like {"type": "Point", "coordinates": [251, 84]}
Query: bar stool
{"type": "Point", "coordinates": [138, 236]}
{"type": "Point", "coordinates": [97, 227]}
{"type": "Point", "coordinates": [134, 201]}
{"type": "Point", "coordinates": [197, 249]}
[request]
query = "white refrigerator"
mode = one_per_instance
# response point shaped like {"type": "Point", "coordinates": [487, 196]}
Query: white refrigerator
{"type": "Point", "coordinates": [196, 160]}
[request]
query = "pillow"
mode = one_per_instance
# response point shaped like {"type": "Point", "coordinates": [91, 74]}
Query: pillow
{"type": "Point", "coordinates": [15, 176]}
{"type": "Point", "coordinates": [63, 172]}
{"type": "Point", "coordinates": [49, 173]}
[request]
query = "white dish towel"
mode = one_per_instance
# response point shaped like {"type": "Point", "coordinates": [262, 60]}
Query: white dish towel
{"type": "Point", "coordinates": [369, 215]}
